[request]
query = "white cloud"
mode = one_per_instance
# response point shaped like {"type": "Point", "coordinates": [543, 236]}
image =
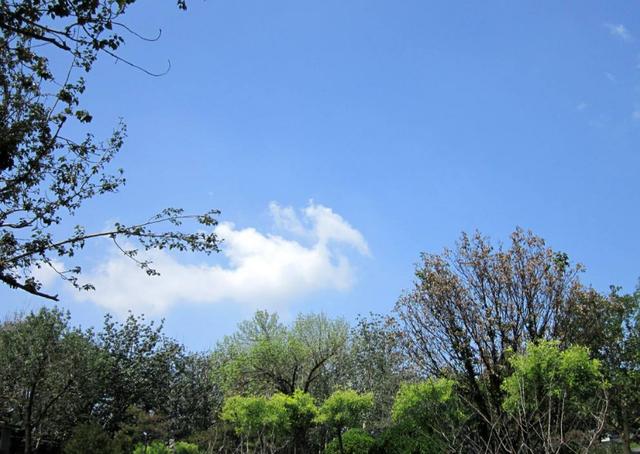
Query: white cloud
{"type": "Point", "coordinates": [582, 106]}
{"type": "Point", "coordinates": [636, 115]}
{"type": "Point", "coordinates": [619, 31]}
{"type": "Point", "coordinates": [263, 270]}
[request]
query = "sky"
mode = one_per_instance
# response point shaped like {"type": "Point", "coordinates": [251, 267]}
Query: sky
{"type": "Point", "coordinates": [342, 139]}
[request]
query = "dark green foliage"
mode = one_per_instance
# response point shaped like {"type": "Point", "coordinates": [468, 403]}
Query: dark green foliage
{"type": "Point", "coordinates": [610, 327]}
{"type": "Point", "coordinates": [46, 175]}
{"type": "Point", "coordinates": [139, 369]}
{"type": "Point", "coordinates": [49, 374]}
{"type": "Point", "coordinates": [89, 437]}
{"type": "Point", "coordinates": [193, 399]}
{"type": "Point", "coordinates": [141, 427]}
{"type": "Point", "coordinates": [129, 380]}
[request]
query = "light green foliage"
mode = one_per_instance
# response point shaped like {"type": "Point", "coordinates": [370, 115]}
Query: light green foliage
{"type": "Point", "coordinates": [183, 447]}
{"type": "Point", "coordinates": [254, 415]}
{"type": "Point", "coordinates": [300, 409]}
{"type": "Point", "coordinates": [156, 447]}
{"type": "Point", "coordinates": [560, 391]}
{"type": "Point", "coordinates": [265, 356]}
{"type": "Point", "coordinates": [355, 441]}
{"type": "Point", "coordinates": [280, 413]}
{"type": "Point", "coordinates": [345, 408]}
{"type": "Point", "coordinates": [428, 415]}
{"type": "Point", "coordinates": [546, 373]}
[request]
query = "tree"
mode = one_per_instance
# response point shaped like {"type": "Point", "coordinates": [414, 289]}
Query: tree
{"type": "Point", "coordinates": [355, 441]}
{"type": "Point", "coordinates": [138, 372]}
{"type": "Point", "coordinates": [557, 399]}
{"type": "Point", "coordinates": [344, 409]}
{"type": "Point", "coordinates": [89, 437]}
{"type": "Point", "coordinates": [261, 422]}
{"type": "Point", "coordinates": [47, 378]}
{"type": "Point", "coordinates": [428, 417]}
{"type": "Point", "coordinates": [46, 175]}
{"type": "Point", "coordinates": [301, 411]}
{"type": "Point", "coordinates": [265, 356]}
{"type": "Point", "coordinates": [271, 423]}
{"type": "Point", "coordinates": [610, 327]}
{"type": "Point", "coordinates": [377, 364]}
{"type": "Point", "coordinates": [192, 398]}
{"type": "Point", "coordinates": [472, 305]}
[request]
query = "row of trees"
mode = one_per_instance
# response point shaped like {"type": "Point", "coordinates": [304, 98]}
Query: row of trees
{"type": "Point", "coordinates": [496, 349]}
{"type": "Point", "coordinates": [59, 383]}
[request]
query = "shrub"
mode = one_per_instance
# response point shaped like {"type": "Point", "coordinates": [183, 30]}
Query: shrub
{"type": "Point", "coordinates": [354, 441]}
{"type": "Point", "coordinates": [89, 437]}
{"type": "Point", "coordinates": [183, 447]}
{"type": "Point", "coordinates": [157, 447]}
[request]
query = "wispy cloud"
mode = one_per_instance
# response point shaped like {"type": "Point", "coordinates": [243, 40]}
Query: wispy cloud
{"type": "Point", "coordinates": [263, 270]}
{"type": "Point", "coordinates": [581, 107]}
{"type": "Point", "coordinates": [636, 115]}
{"type": "Point", "coordinates": [619, 31]}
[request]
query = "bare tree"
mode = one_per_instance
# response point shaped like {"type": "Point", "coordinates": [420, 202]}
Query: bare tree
{"type": "Point", "coordinates": [472, 305]}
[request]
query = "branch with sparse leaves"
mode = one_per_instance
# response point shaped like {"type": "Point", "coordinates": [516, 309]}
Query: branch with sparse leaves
{"type": "Point", "coordinates": [47, 175]}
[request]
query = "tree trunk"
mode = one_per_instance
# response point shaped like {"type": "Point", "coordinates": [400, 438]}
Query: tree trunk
{"type": "Point", "coordinates": [626, 442]}
{"type": "Point", "coordinates": [27, 431]}
{"type": "Point", "coordinates": [340, 442]}
{"type": "Point", "coordinates": [27, 421]}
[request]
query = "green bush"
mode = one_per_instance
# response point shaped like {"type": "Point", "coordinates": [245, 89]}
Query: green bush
{"type": "Point", "coordinates": [157, 447]}
{"type": "Point", "coordinates": [183, 447]}
{"type": "Point", "coordinates": [354, 441]}
{"type": "Point", "coordinates": [89, 437]}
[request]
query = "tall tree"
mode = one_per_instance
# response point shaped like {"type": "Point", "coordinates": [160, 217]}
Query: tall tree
{"type": "Point", "coordinates": [265, 356]}
{"type": "Point", "coordinates": [46, 172]}
{"type": "Point", "coordinates": [610, 327]}
{"type": "Point", "coordinates": [138, 372]}
{"type": "Point", "coordinates": [192, 397]}
{"type": "Point", "coordinates": [48, 375]}
{"type": "Point", "coordinates": [376, 363]}
{"type": "Point", "coordinates": [472, 305]}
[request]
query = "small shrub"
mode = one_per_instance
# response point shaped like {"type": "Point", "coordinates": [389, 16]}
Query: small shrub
{"type": "Point", "coordinates": [157, 447]}
{"type": "Point", "coordinates": [183, 447]}
{"type": "Point", "coordinates": [89, 437]}
{"type": "Point", "coordinates": [354, 441]}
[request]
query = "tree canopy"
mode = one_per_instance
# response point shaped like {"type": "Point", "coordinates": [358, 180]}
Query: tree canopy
{"type": "Point", "coordinates": [556, 371]}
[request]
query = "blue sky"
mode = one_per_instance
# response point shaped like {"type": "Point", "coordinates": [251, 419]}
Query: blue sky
{"type": "Point", "coordinates": [341, 139]}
